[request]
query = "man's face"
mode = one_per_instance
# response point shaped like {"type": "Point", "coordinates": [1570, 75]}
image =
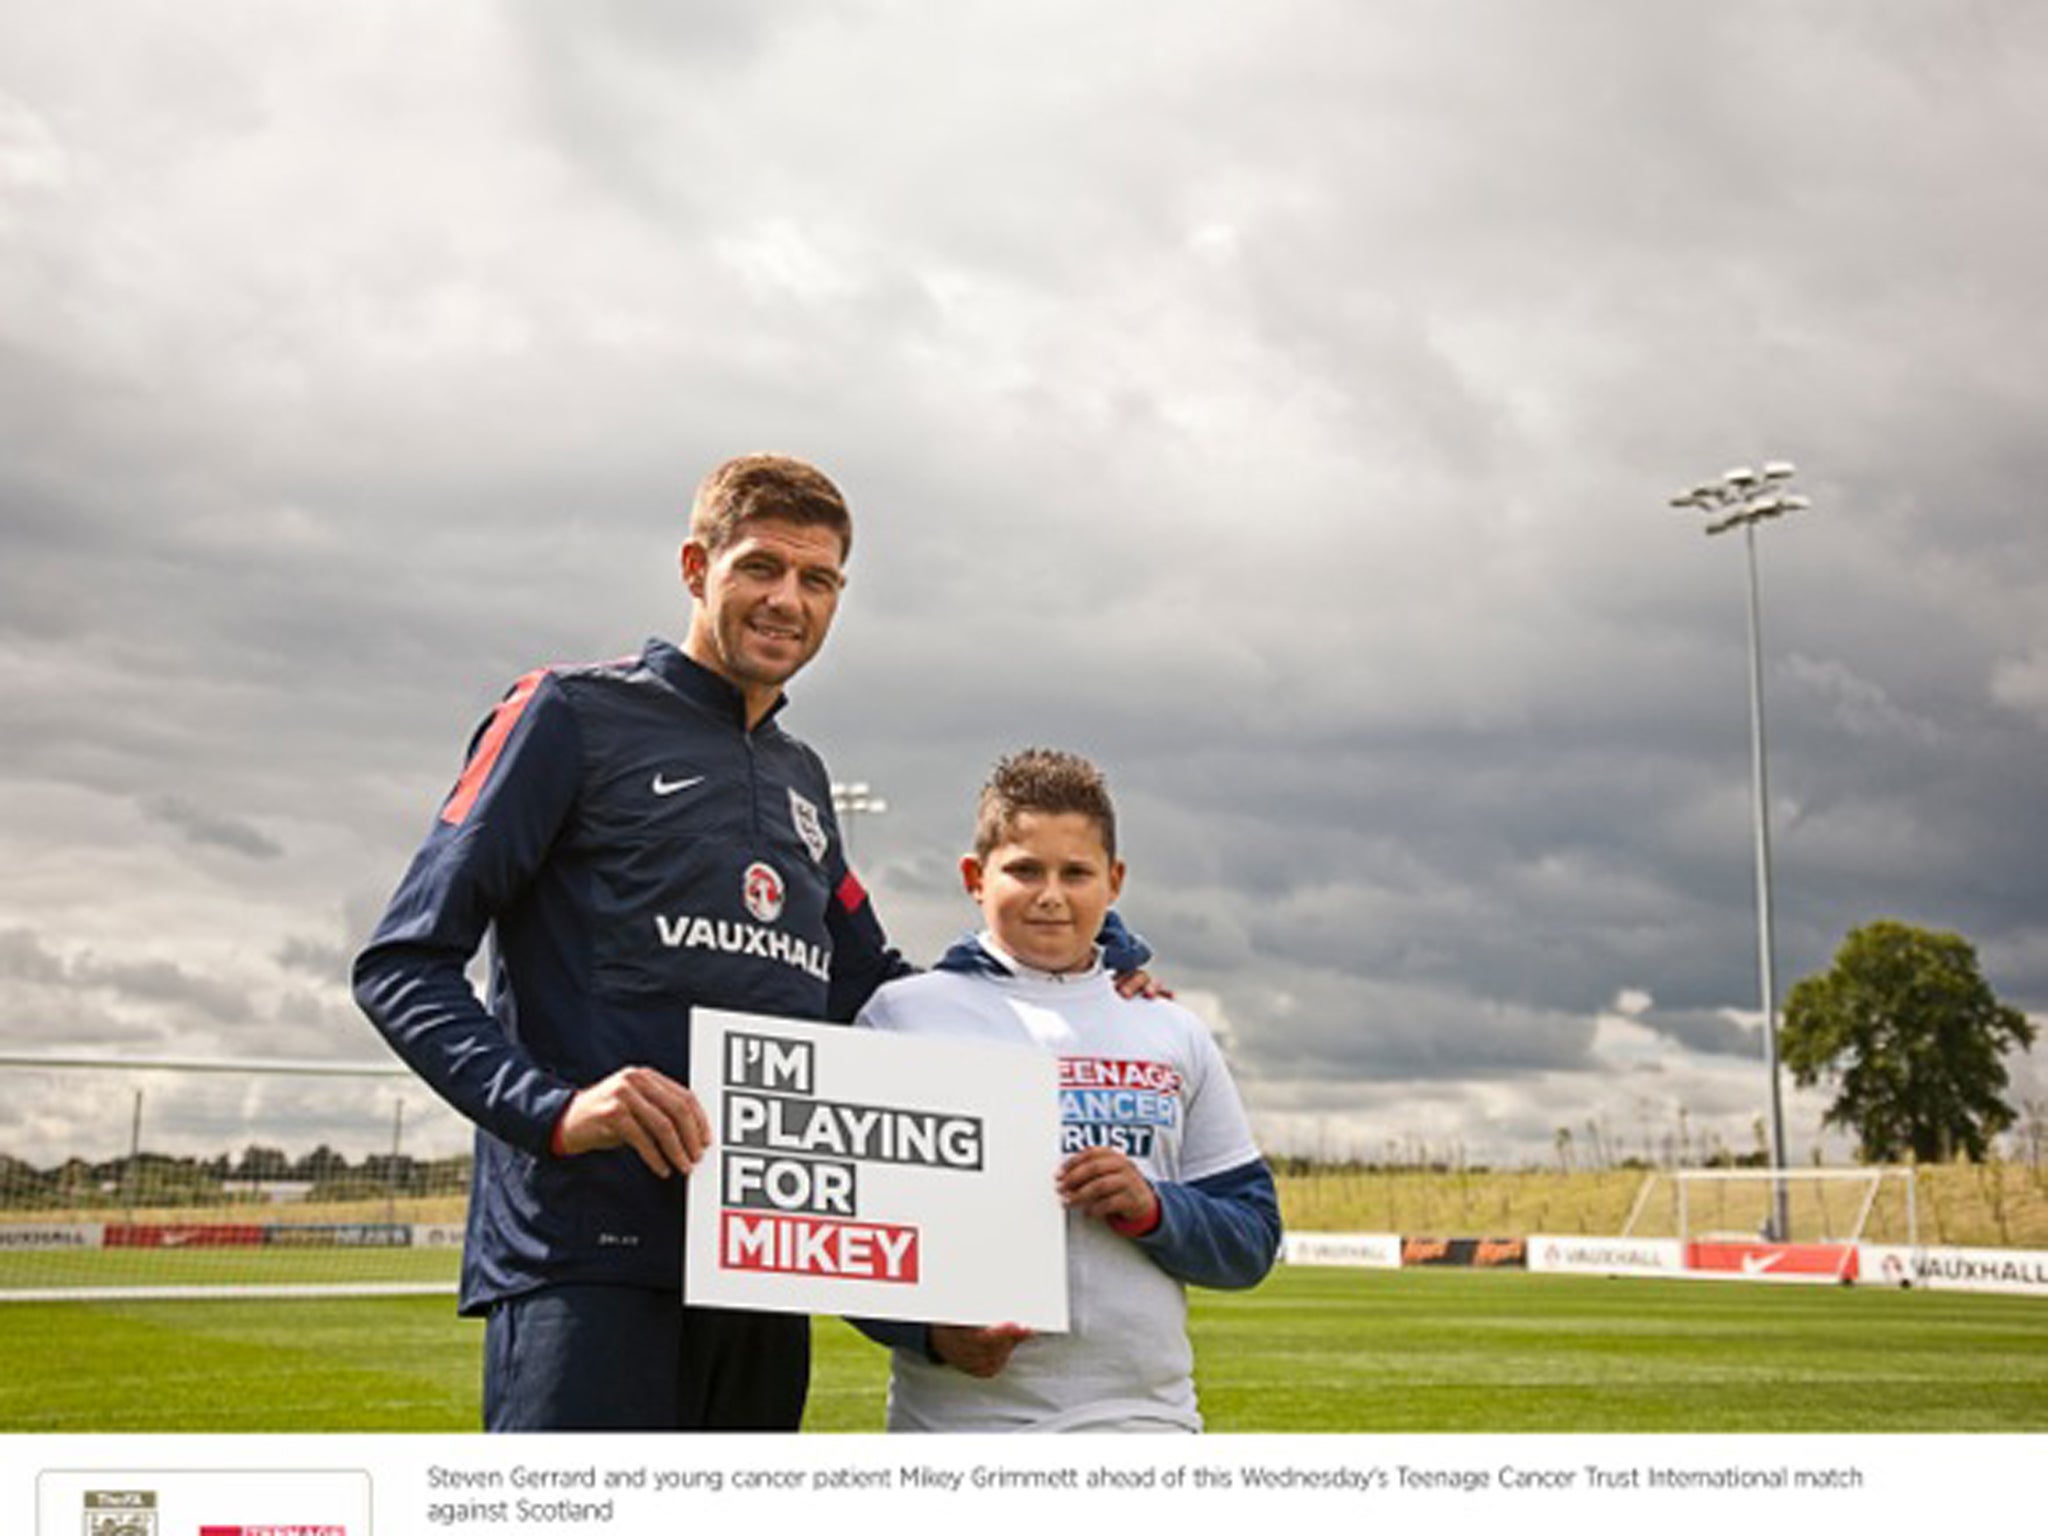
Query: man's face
{"type": "Point", "coordinates": [1044, 888]}
{"type": "Point", "coordinates": [763, 603]}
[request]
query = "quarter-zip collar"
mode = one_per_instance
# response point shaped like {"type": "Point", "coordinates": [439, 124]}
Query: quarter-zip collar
{"type": "Point", "coordinates": [702, 686]}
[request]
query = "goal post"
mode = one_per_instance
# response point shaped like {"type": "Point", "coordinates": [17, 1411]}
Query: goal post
{"type": "Point", "coordinates": [181, 1177]}
{"type": "Point", "coordinates": [1841, 1206]}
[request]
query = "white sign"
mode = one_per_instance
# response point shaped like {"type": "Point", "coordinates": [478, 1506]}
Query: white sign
{"type": "Point", "coordinates": [47, 1237]}
{"type": "Point", "coordinates": [2014, 1271]}
{"type": "Point", "coordinates": [874, 1175]}
{"type": "Point", "coordinates": [1356, 1250]}
{"type": "Point", "coordinates": [1607, 1255]}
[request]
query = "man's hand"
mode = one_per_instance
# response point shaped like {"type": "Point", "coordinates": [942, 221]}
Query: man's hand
{"type": "Point", "coordinates": [1104, 1184]}
{"type": "Point", "coordinates": [981, 1352]}
{"type": "Point", "coordinates": [640, 1108]}
{"type": "Point", "coordinates": [1140, 984]}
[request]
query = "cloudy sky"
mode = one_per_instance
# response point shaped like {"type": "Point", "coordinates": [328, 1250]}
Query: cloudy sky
{"type": "Point", "coordinates": [1278, 401]}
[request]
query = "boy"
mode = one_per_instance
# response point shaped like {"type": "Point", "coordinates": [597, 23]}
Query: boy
{"type": "Point", "coordinates": [1162, 1182]}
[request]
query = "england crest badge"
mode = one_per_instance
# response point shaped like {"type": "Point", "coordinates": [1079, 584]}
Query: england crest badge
{"type": "Point", "coordinates": [810, 826]}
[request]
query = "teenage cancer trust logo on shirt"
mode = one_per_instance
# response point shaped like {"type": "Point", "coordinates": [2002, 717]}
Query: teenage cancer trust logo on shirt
{"type": "Point", "coordinates": [1120, 1104]}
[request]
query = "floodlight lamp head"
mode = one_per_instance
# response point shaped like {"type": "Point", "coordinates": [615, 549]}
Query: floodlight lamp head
{"type": "Point", "coordinates": [1780, 469]}
{"type": "Point", "coordinates": [1740, 476]}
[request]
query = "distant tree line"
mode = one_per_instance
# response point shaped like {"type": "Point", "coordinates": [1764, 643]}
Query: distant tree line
{"type": "Point", "coordinates": [156, 1179]}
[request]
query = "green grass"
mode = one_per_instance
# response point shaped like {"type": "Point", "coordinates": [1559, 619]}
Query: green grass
{"type": "Point", "coordinates": [405, 1363]}
{"type": "Point", "coordinates": [226, 1266]}
{"type": "Point", "coordinates": [1421, 1351]}
{"type": "Point", "coordinates": [1311, 1350]}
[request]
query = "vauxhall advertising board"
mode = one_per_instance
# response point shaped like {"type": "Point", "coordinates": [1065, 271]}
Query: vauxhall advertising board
{"type": "Point", "coordinates": [874, 1175]}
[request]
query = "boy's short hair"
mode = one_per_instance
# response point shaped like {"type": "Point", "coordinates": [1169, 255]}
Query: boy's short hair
{"type": "Point", "coordinates": [1045, 782]}
{"type": "Point", "coordinates": [767, 485]}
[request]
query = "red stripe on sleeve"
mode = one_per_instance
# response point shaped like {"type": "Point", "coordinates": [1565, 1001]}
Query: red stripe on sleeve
{"type": "Point", "coordinates": [851, 893]}
{"type": "Point", "coordinates": [471, 784]}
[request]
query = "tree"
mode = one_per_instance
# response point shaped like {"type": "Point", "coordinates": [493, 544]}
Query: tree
{"type": "Point", "coordinates": [263, 1164]}
{"type": "Point", "coordinates": [321, 1165]}
{"type": "Point", "coordinates": [1907, 1026]}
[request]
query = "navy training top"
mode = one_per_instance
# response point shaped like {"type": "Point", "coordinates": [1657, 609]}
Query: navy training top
{"type": "Point", "coordinates": [633, 851]}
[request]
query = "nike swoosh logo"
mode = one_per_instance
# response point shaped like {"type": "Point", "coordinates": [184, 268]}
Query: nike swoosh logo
{"type": "Point", "coordinates": [663, 786]}
{"type": "Point", "coordinates": [1760, 1263]}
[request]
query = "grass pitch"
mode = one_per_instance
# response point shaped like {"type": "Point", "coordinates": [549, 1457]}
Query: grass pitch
{"type": "Point", "coordinates": [1434, 1352]}
{"type": "Point", "coordinates": [1312, 1350]}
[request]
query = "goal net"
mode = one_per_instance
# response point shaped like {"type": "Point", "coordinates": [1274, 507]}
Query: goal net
{"type": "Point", "coordinates": [203, 1179]}
{"type": "Point", "coordinates": [1832, 1206]}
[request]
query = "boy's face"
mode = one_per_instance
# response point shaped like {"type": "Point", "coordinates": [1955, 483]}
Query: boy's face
{"type": "Point", "coordinates": [1044, 889]}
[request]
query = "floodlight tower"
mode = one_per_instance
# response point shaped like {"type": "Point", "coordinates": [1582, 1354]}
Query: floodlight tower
{"type": "Point", "coordinates": [1742, 498]}
{"type": "Point", "coordinates": [852, 801]}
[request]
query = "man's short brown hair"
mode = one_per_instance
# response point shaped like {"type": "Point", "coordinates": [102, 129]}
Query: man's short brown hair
{"type": "Point", "coordinates": [1043, 782]}
{"type": "Point", "coordinates": [767, 485]}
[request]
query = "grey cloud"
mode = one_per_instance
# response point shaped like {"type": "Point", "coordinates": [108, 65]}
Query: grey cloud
{"type": "Point", "coordinates": [161, 981]}
{"type": "Point", "coordinates": [26, 957]}
{"type": "Point", "coordinates": [313, 957]}
{"type": "Point", "coordinates": [323, 1026]}
{"type": "Point", "coordinates": [211, 829]}
{"type": "Point", "coordinates": [46, 977]}
{"type": "Point", "coordinates": [1859, 707]}
{"type": "Point", "coordinates": [1276, 404]}
{"type": "Point", "coordinates": [44, 1018]}
{"type": "Point", "coordinates": [23, 957]}
{"type": "Point", "coordinates": [1703, 1030]}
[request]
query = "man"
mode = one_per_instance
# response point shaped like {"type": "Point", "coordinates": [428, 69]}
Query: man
{"type": "Point", "coordinates": [638, 836]}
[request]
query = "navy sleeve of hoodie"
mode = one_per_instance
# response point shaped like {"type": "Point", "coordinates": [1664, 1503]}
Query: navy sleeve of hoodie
{"type": "Point", "coordinates": [490, 837]}
{"type": "Point", "coordinates": [1222, 1231]}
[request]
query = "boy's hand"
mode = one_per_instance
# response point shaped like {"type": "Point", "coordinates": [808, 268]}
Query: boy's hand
{"type": "Point", "coordinates": [981, 1352]}
{"type": "Point", "coordinates": [640, 1108]}
{"type": "Point", "coordinates": [1104, 1184]}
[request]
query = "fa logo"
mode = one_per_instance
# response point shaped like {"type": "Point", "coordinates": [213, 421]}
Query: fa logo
{"type": "Point", "coordinates": [761, 888]}
{"type": "Point", "coordinates": [127, 1513]}
{"type": "Point", "coordinates": [810, 826]}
